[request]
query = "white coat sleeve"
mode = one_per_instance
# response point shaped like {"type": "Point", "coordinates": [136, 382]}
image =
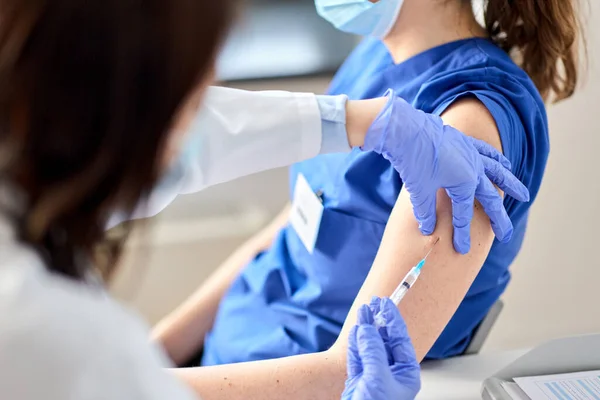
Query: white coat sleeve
{"type": "Point", "coordinates": [238, 133]}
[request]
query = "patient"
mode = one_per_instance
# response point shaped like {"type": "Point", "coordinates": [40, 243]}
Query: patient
{"type": "Point", "coordinates": [273, 298]}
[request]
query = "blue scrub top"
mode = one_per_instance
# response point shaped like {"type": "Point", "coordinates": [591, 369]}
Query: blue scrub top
{"type": "Point", "coordinates": [287, 301]}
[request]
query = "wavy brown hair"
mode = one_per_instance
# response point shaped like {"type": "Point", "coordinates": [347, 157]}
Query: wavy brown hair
{"type": "Point", "coordinates": [543, 37]}
{"type": "Point", "coordinates": [88, 94]}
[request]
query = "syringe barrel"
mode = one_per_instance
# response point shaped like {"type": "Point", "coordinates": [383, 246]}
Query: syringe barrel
{"type": "Point", "coordinates": [399, 293]}
{"type": "Point", "coordinates": [406, 284]}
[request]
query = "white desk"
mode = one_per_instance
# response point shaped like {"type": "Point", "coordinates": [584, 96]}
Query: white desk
{"type": "Point", "coordinates": [461, 378]}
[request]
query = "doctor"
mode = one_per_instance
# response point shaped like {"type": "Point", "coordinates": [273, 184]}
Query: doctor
{"type": "Point", "coordinates": [93, 97]}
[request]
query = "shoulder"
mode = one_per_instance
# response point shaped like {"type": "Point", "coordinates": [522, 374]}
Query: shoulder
{"type": "Point", "coordinates": [479, 66]}
{"type": "Point", "coordinates": [61, 339]}
{"type": "Point", "coordinates": [473, 118]}
{"type": "Point", "coordinates": [482, 92]}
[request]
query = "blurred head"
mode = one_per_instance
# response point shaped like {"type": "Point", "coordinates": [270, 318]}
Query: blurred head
{"type": "Point", "coordinates": [89, 93]}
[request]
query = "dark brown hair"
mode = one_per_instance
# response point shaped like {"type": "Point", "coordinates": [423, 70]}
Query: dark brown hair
{"type": "Point", "coordinates": [542, 35]}
{"type": "Point", "coordinates": [88, 93]}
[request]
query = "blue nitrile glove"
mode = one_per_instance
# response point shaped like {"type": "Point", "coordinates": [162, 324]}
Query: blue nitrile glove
{"type": "Point", "coordinates": [381, 364]}
{"type": "Point", "coordinates": [430, 156]}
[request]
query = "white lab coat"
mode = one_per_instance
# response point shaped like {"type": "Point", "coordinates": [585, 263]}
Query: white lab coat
{"type": "Point", "coordinates": [63, 340]}
{"type": "Point", "coordinates": [238, 133]}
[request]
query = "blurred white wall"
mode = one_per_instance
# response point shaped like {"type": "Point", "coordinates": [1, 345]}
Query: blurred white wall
{"type": "Point", "coordinates": [556, 285]}
{"type": "Point", "coordinates": [556, 279]}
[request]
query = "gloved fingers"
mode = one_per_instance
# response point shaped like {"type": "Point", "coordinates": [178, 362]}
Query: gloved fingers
{"type": "Point", "coordinates": [505, 180]}
{"type": "Point", "coordinates": [409, 376]}
{"type": "Point", "coordinates": [394, 322]}
{"type": "Point", "coordinates": [374, 305]}
{"type": "Point", "coordinates": [401, 347]}
{"type": "Point", "coordinates": [365, 315]}
{"type": "Point", "coordinates": [486, 149]}
{"type": "Point", "coordinates": [424, 208]}
{"type": "Point", "coordinates": [353, 364]}
{"type": "Point", "coordinates": [462, 214]}
{"type": "Point", "coordinates": [493, 205]}
{"type": "Point", "coordinates": [371, 351]}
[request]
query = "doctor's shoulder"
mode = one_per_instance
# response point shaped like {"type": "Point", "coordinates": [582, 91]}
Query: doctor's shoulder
{"type": "Point", "coordinates": [62, 339]}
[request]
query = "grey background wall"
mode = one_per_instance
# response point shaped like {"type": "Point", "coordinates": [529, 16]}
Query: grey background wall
{"type": "Point", "coordinates": [556, 279]}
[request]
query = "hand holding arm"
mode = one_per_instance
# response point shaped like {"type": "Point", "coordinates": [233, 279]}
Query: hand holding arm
{"type": "Point", "coordinates": [430, 156]}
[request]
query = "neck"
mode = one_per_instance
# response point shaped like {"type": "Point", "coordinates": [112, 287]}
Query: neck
{"type": "Point", "coordinates": [423, 25]}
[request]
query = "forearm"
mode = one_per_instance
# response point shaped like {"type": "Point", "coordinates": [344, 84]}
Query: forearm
{"type": "Point", "coordinates": [182, 332]}
{"type": "Point", "coordinates": [310, 376]}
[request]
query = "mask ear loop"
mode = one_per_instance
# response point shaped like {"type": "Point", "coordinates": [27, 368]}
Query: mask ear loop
{"type": "Point", "coordinates": [392, 22]}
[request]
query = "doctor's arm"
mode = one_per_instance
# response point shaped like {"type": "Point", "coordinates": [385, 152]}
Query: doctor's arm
{"type": "Point", "coordinates": [236, 133]}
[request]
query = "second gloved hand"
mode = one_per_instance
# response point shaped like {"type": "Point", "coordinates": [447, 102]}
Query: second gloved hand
{"type": "Point", "coordinates": [430, 156]}
{"type": "Point", "coordinates": [381, 363]}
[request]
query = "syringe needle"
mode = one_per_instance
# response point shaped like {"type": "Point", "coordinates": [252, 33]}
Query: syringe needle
{"type": "Point", "coordinates": [401, 290]}
{"type": "Point", "coordinates": [431, 249]}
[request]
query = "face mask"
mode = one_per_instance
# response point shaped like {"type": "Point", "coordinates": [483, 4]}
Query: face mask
{"type": "Point", "coordinates": [361, 17]}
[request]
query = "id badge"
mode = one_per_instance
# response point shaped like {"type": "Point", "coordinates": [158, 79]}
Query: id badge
{"type": "Point", "coordinates": [306, 213]}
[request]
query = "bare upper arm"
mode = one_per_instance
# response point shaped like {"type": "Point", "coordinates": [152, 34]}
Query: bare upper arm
{"type": "Point", "coordinates": [448, 275]}
{"type": "Point", "coordinates": [471, 117]}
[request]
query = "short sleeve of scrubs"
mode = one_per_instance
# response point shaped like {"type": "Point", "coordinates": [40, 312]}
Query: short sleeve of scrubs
{"type": "Point", "coordinates": [506, 99]}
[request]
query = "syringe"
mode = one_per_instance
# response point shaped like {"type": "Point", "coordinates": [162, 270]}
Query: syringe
{"type": "Point", "coordinates": [408, 281]}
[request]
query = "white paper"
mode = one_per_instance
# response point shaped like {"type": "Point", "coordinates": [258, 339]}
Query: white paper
{"type": "Point", "coordinates": [576, 386]}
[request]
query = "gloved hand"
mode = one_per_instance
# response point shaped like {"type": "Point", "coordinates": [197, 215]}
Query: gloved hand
{"type": "Point", "coordinates": [430, 156]}
{"type": "Point", "coordinates": [381, 364]}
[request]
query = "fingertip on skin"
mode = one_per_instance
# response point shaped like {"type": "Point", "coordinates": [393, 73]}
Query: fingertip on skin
{"type": "Point", "coordinates": [425, 231]}
{"type": "Point", "coordinates": [427, 226]}
{"type": "Point", "coordinates": [462, 246]}
{"type": "Point", "coordinates": [502, 225]}
{"type": "Point", "coordinates": [508, 235]}
{"type": "Point", "coordinates": [462, 238]}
